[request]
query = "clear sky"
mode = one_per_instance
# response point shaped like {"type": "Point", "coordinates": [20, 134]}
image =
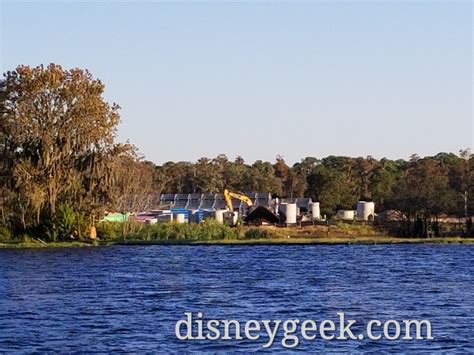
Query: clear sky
{"type": "Point", "coordinates": [258, 79]}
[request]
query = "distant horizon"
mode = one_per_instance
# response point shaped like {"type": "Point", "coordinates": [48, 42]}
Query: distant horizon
{"type": "Point", "coordinates": [261, 79]}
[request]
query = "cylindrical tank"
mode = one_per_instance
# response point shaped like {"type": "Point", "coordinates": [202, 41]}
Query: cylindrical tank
{"type": "Point", "coordinates": [365, 210]}
{"type": "Point", "coordinates": [220, 216]}
{"type": "Point", "coordinates": [370, 210]}
{"type": "Point", "coordinates": [152, 221]}
{"type": "Point", "coordinates": [289, 209]}
{"type": "Point", "coordinates": [180, 218]}
{"type": "Point", "coordinates": [347, 215]}
{"type": "Point", "coordinates": [314, 209]}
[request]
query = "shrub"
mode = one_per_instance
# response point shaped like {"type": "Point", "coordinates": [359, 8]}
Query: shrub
{"type": "Point", "coordinates": [260, 233]}
{"type": "Point", "coordinates": [109, 230]}
{"type": "Point", "coordinates": [212, 230]}
{"type": "Point", "coordinates": [66, 220]}
{"type": "Point", "coordinates": [165, 231]}
{"type": "Point", "coordinates": [5, 235]}
{"type": "Point", "coordinates": [207, 230]}
{"type": "Point", "coordinates": [24, 238]}
{"type": "Point", "coordinates": [256, 233]}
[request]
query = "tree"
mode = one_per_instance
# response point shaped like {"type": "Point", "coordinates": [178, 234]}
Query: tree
{"type": "Point", "coordinates": [364, 169]}
{"type": "Point", "coordinates": [332, 187]}
{"type": "Point", "coordinates": [285, 175]}
{"type": "Point", "coordinates": [385, 178]}
{"type": "Point", "coordinates": [52, 120]}
{"type": "Point", "coordinates": [465, 154]}
{"type": "Point", "coordinates": [235, 174]}
{"type": "Point", "coordinates": [424, 191]}
{"type": "Point", "coordinates": [301, 171]}
{"type": "Point", "coordinates": [261, 177]}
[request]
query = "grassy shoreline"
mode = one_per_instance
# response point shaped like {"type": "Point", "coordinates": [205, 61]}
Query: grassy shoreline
{"type": "Point", "coordinates": [292, 240]}
{"type": "Point", "coordinates": [212, 233]}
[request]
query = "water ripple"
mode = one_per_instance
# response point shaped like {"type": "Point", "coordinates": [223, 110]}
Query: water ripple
{"type": "Point", "coordinates": [128, 299]}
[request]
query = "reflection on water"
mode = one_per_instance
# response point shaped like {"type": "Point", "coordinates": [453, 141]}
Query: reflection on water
{"type": "Point", "coordinates": [129, 298]}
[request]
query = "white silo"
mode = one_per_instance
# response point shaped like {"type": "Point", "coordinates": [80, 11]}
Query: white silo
{"type": "Point", "coordinates": [291, 209]}
{"type": "Point", "coordinates": [180, 218]}
{"type": "Point", "coordinates": [219, 214]}
{"type": "Point", "coordinates": [369, 211]}
{"type": "Point", "coordinates": [152, 221]}
{"type": "Point", "coordinates": [313, 207]}
{"type": "Point", "coordinates": [365, 210]}
{"type": "Point", "coordinates": [346, 215]}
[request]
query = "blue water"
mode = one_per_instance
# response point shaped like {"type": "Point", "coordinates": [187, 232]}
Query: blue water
{"type": "Point", "coordinates": [129, 298]}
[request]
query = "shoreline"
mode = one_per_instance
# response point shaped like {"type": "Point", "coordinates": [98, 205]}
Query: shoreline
{"type": "Point", "coordinates": [349, 240]}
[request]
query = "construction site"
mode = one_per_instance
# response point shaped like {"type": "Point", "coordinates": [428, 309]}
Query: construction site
{"type": "Point", "coordinates": [232, 208]}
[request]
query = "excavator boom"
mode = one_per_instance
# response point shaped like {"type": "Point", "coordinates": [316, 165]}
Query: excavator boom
{"type": "Point", "coordinates": [228, 195]}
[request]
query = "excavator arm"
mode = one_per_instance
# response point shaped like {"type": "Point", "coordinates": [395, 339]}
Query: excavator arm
{"type": "Point", "coordinates": [228, 195]}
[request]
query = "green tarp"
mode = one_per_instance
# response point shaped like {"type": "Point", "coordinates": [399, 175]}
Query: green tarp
{"type": "Point", "coordinates": [116, 217]}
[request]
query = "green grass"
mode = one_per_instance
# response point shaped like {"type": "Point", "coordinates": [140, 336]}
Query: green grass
{"type": "Point", "coordinates": [47, 245]}
{"type": "Point", "coordinates": [212, 232]}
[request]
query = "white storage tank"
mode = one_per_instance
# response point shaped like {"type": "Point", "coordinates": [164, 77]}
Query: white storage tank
{"type": "Point", "coordinates": [313, 207]}
{"type": "Point", "coordinates": [365, 210]}
{"type": "Point", "coordinates": [346, 215]}
{"type": "Point", "coordinates": [219, 215]}
{"type": "Point", "coordinates": [289, 210]}
{"type": "Point", "coordinates": [370, 211]}
{"type": "Point", "coordinates": [152, 221]}
{"type": "Point", "coordinates": [180, 218]}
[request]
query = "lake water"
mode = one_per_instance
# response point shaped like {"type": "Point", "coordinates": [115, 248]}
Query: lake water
{"type": "Point", "coordinates": [130, 298]}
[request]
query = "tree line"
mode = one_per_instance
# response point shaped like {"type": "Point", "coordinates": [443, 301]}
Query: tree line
{"type": "Point", "coordinates": [428, 186]}
{"type": "Point", "coordinates": [62, 168]}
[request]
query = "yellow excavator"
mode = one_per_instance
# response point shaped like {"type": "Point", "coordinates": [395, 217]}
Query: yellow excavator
{"type": "Point", "coordinates": [261, 213]}
{"type": "Point", "coordinates": [228, 196]}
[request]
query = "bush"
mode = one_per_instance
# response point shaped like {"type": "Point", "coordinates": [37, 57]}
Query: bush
{"type": "Point", "coordinates": [164, 231]}
{"type": "Point", "coordinates": [256, 233]}
{"type": "Point", "coordinates": [260, 233]}
{"type": "Point", "coordinates": [5, 235]}
{"type": "Point", "coordinates": [207, 230]}
{"type": "Point", "coordinates": [109, 230]}
{"type": "Point", "coordinates": [212, 230]}
{"type": "Point", "coordinates": [24, 238]}
{"type": "Point", "coordinates": [66, 220]}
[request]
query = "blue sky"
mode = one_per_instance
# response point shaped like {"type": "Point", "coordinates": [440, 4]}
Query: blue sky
{"type": "Point", "coordinates": [258, 79]}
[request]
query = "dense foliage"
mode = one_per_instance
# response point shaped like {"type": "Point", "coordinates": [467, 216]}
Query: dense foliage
{"type": "Point", "coordinates": [424, 187]}
{"type": "Point", "coordinates": [60, 164]}
{"type": "Point", "coordinates": [210, 229]}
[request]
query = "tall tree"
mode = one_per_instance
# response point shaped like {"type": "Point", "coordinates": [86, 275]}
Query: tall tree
{"type": "Point", "coordinates": [51, 120]}
{"type": "Point", "coordinates": [424, 191]}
